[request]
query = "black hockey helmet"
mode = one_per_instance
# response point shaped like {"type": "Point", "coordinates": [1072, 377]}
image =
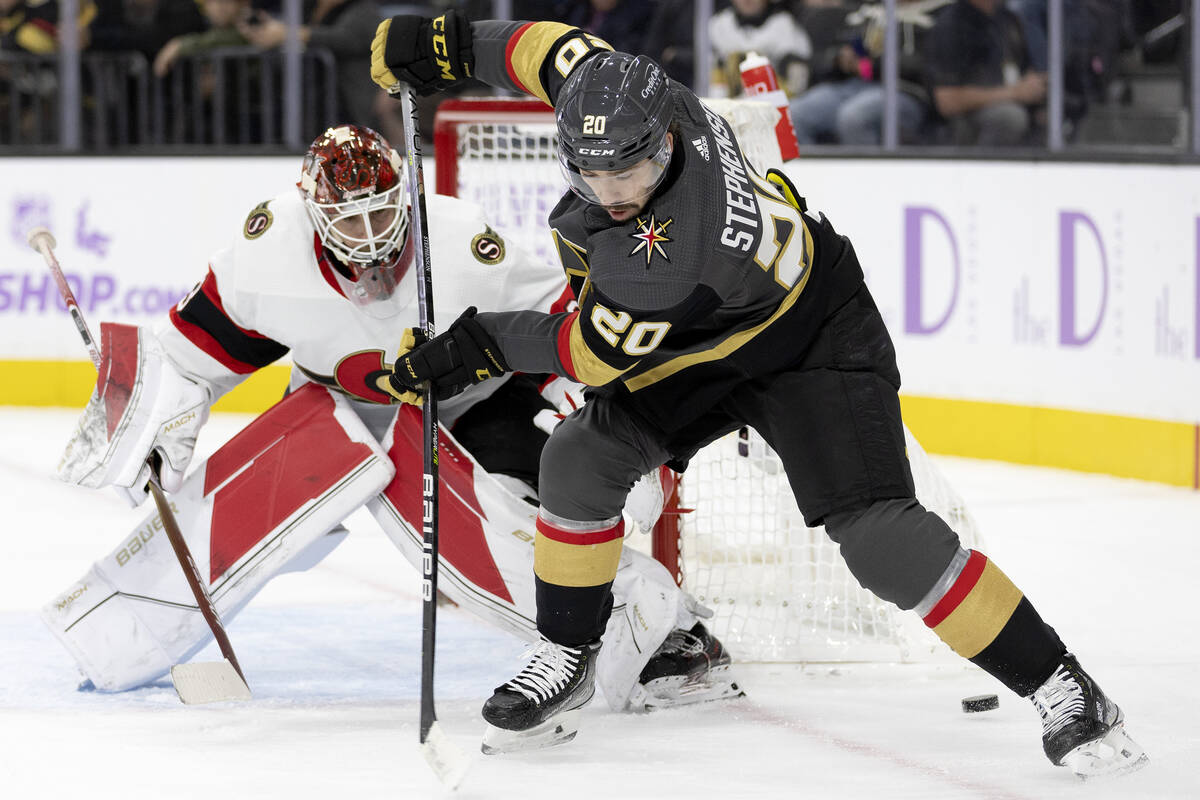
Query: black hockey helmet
{"type": "Point", "coordinates": [613, 112]}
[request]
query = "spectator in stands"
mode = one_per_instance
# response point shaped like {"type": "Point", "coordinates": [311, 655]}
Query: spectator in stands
{"type": "Point", "coordinates": [670, 39]}
{"type": "Point", "coordinates": [846, 103]}
{"type": "Point", "coordinates": [223, 17]}
{"type": "Point", "coordinates": [1094, 33]}
{"type": "Point", "coordinates": [980, 76]}
{"type": "Point", "coordinates": [144, 26]}
{"type": "Point", "coordinates": [28, 86]}
{"type": "Point", "coordinates": [1034, 24]}
{"type": "Point", "coordinates": [31, 26]}
{"type": "Point", "coordinates": [765, 27]}
{"type": "Point", "coordinates": [346, 28]}
{"type": "Point", "coordinates": [621, 23]}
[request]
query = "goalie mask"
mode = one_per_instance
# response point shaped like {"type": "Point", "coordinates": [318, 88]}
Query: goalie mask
{"type": "Point", "coordinates": [356, 195]}
{"type": "Point", "coordinates": [614, 147]}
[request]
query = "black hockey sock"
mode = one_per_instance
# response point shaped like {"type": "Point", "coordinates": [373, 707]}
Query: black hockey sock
{"type": "Point", "coordinates": [986, 619]}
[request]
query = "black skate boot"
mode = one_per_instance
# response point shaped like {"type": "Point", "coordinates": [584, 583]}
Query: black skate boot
{"type": "Point", "coordinates": [688, 667]}
{"type": "Point", "coordinates": [1081, 728]}
{"type": "Point", "coordinates": [538, 708]}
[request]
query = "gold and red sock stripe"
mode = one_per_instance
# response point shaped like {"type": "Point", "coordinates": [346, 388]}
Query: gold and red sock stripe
{"type": "Point", "coordinates": [577, 554]}
{"type": "Point", "coordinates": [975, 607]}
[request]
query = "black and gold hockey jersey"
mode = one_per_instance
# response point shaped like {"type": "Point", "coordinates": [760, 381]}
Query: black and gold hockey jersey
{"type": "Point", "coordinates": [721, 278]}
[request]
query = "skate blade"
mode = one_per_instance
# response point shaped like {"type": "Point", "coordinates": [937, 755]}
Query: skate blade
{"type": "Point", "coordinates": [559, 730]}
{"type": "Point", "coordinates": [678, 690]}
{"type": "Point", "coordinates": [1112, 754]}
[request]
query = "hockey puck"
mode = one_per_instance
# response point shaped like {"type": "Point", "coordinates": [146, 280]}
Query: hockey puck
{"type": "Point", "coordinates": [980, 702]}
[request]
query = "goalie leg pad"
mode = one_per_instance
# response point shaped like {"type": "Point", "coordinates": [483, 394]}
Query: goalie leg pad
{"type": "Point", "coordinates": [261, 501]}
{"type": "Point", "coordinates": [485, 557]}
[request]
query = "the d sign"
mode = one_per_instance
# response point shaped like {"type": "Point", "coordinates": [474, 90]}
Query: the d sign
{"type": "Point", "coordinates": [1068, 333]}
{"type": "Point", "coordinates": [914, 319]}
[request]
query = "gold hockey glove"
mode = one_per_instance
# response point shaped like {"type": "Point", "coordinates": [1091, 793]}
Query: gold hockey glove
{"type": "Point", "coordinates": [462, 356]}
{"type": "Point", "coordinates": [427, 54]}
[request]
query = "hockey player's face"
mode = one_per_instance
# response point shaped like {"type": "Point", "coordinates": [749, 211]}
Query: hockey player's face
{"type": "Point", "coordinates": [624, 193]}
{"type": "Point", "coordinates": [361, 227]}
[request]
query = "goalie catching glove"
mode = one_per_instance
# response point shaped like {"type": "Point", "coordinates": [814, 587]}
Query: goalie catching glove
{"type": "Point", "coordinates": [462, 356]}
{"type": "Point", "coordinates": [142, 406]}
{"type": "Point", "coordinates": [428, 54]}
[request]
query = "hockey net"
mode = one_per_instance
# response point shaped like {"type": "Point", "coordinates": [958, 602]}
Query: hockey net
{"type": "Point", "coordinates": [732, 533]}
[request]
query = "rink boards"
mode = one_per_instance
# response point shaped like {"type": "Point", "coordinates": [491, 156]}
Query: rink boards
{"type": "Point", "coordinates": [1044, 313]}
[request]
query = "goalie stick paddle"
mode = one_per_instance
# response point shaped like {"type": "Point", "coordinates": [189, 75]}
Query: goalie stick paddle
{"type": "Point", "coordinates": [443, 757]}
{"type": "Point", "coordinates": [201, 682]}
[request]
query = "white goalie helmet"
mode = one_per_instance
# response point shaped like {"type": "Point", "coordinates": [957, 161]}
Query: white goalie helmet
{"type": "Point", "coordinates": [356, 195]}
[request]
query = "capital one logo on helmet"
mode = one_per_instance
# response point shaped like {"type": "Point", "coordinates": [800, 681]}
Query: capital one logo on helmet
{"type": "Point", "coordinates": [652, 83]}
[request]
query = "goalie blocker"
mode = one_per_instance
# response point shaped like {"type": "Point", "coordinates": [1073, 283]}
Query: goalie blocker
{"type": "Point", "coordinates": [251, 512]}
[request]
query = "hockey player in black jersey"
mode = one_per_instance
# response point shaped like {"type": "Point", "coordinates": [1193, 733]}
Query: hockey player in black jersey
{"type": "Point", "coordinates": [709, 298]}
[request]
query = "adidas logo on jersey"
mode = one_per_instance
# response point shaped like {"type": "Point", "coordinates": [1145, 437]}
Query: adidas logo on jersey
{"type": "Point", "coordinates": [701, 144]}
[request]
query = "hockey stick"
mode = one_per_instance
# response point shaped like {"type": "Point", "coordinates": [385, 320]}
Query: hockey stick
{"type": "Point", "coordinates": [201, 682]}
{"type": "Point", "coordinates": [446, 760]}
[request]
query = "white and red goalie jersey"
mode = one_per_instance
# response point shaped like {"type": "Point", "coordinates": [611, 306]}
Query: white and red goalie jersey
{"type": "Point", "coordinates": [274, 290]}
{"type": "Point", "coordinates": [329, 448]}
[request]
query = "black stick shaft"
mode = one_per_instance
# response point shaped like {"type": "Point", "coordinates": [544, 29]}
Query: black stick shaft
{"type": "Point", "coordinates": [429, 481]}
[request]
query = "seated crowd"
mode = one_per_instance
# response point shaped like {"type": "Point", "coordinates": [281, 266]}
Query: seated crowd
{"type": "Point", "coordinates": [971, 72]}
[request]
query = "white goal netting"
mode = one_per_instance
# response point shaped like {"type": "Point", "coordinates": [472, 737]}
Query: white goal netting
{"type": "Point", "coordinates": [779, 589]}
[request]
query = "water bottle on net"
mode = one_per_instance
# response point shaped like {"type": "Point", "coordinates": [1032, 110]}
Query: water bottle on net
{"type": "Point", "coordinates": [761, 83]}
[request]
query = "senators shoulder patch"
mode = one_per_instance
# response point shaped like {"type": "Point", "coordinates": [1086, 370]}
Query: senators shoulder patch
{"type": "Point", "coordinates": [488, 247]}
{"type": "Point", "coordinates": [258, 220]}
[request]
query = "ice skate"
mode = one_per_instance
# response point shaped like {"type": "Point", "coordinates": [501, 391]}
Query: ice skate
{"type": "Point", "coordinates": [1081, 728]}
{"type": "Point", "coordinates": [539, 707]}
{"type": "Point", "coordinates": [689, 667]}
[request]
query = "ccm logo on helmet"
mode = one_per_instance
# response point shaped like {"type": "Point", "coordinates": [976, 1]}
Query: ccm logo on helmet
{"type": "Point", "coordinates": [588, 151]}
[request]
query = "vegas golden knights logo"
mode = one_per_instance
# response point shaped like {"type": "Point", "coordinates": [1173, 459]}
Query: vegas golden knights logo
{"type": "Point", "coordinates": [651, 236]}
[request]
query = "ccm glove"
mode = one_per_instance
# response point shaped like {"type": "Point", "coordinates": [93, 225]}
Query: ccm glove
{"type": "Point", "coordinates": [462, 356]}
{"type": "Point", "coordinates": [427, 54]}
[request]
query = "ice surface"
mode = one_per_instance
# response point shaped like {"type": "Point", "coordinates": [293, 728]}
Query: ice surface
{"type": "Point", "coordinates": [332, 656]}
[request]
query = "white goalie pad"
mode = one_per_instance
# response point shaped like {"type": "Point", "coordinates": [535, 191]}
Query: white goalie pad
{"type": "Point", "coordinates": [264, 500]}
{"type": "Point", "coordinates": [141, 404]}
{"type": "Point", "coordinates": [485, 557]}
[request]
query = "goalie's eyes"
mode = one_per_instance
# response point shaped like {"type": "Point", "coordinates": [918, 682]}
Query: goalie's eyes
{"type": "Point", "coordinates": [353, 226]}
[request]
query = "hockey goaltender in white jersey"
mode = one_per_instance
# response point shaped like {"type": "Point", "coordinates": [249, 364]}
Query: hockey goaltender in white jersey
{"type": "Point", "coordinates": [323, 272]}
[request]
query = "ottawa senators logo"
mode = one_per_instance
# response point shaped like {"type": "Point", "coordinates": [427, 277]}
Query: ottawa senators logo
{"type": "Point", "coordinates": [488, 247]}
{"type": "Point", "coordinates": [259, 219]}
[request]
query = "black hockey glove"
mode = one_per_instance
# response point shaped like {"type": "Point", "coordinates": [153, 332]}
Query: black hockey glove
{"type": "Point", "coordinates": [462, 356]}
{"type": "Point", "coordinates": [429, 54]}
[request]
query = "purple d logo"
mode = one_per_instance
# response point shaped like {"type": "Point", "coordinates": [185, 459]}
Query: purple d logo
{"type": "Point", "coordinates": [1197, 333]}
{"type": "Point", "coordinates": [914, 318]}
{"type": "Point", "coordinates": [1068, 332]}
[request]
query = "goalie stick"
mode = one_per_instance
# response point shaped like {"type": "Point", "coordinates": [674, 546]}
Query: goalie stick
{"type": "Point", "coordinates": [442, 755]}
{"type": "Point", "coordinates": [197, 682]}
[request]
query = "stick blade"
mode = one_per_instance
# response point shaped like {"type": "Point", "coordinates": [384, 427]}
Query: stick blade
{"type": "Point", "coordinates": [202, 682]}
{"type": "Point", "coordinates": [444, 758]}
